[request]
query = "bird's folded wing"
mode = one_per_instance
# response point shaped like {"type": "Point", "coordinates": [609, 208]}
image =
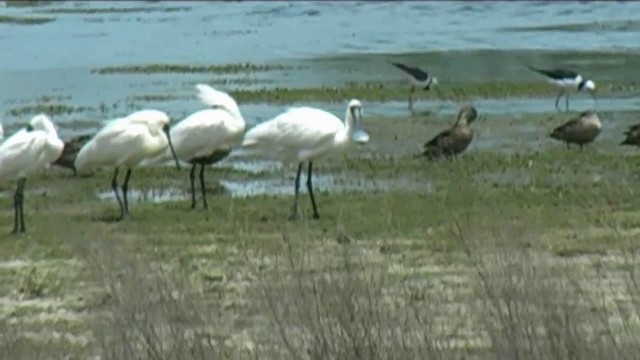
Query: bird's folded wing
{"type": "Point", "coordinates": [115, 141]}
{"type": "Point", "coordinates": [18, 151]}
{"type": "Point", "coordinates": [442, 139]}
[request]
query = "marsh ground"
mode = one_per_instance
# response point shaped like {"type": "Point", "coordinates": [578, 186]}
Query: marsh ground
{"type": "Point", "coordinates": [399, 216]}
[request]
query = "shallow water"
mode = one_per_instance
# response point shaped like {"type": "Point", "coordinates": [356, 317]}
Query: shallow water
{"type": "Point", "coordinates": [228, 32]}
{"type": "Point", "coordinates": [56, 58]}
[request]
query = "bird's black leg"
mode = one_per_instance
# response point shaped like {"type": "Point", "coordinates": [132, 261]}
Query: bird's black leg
{"type": "Point", "coordinates": [114, 187]}
{"type": "Point", "coordinates": [567, 101]}
{"type": "Point", "coordinates": [21, 184]}
{"type": "Point", "coordinates": [16, 211]}
{"type": "Point", "coordinates": [411, 91]}
{"type": "Point", "coordinates": [558, 99]}
{"type": "Point", "coordinates": [294, 209]}
{"type": "Point", "coordinates": [203, 188]}
{"type": "Point", "coordinates": [192, 178]}
{"type": "Point", "coordinates": [310, 189]}
{"type": "Point", "coordinates": [18, 198]}
{"type": "Point", "coordinates": [125, 189]}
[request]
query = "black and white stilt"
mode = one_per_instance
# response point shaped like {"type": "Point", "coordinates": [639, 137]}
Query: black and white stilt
{"type": "Point", "coordinates": [568, 81]}
{"type": "Point", "coordinates": [418, 78]}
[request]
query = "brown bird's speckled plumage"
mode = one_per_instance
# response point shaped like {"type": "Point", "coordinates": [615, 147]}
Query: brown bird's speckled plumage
{"type": "Point", "coordinates": [71, 148]}
{"type": "Point", "coordinates": [453, 141]}
{"type": "Point", "coordinates": [632, 136]}
{"type": "Point", "coordinates": [580, 130]}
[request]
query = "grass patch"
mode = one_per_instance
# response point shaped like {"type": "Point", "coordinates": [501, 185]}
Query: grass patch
{"type": "Point", "coordinates": [26, 3]}
{"type": "Point", "coordinates": [25, 20]}
{"type": "Point", "coordinates": [49, 109]}
{"type": "Point", "coordinates": [462, 260]}
{"type": "Point", "coordinates": [114, 10]}
{"type": "Point", "coordinates": [156, 97]}
{"type": "Point", "coordinates": [600, 26]}
{"type": "Point", "coordinates": [381, 92]}
{"type": "Point", "coordinates": [189, 69]}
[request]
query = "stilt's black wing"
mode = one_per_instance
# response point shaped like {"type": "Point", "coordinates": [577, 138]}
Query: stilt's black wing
{"type": "Point", "coordinates": [555, 73]}
{"type": "Point", "coordinates": [416, 73]}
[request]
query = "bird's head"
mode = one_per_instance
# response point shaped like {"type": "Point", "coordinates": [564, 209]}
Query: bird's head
{"type": "Point", "coordinates": [589, 86]}
{"type": "Point", "coordinates": [156, 121]}
{"type": "Point", "coordinates": [42, 122]}
{"type": "Point", "coordinates": [354, 121]}
{"type": "Point", "coordinates": [434, 81]}
{"type": "Point", "coordinates": [467, 114]}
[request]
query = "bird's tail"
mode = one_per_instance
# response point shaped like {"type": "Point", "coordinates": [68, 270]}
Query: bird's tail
{"type": "Point", "coordinates": [534, 69]}
{"type": "Point", "coordinates": [217, 99]}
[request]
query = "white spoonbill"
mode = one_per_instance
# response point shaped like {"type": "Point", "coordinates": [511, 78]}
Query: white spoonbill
{"type": "Point", "coordinates": [207, 136]}
{"type": "Point", "coordinates": [125, 142]}
{"type": "Point", "coordinates": [30, 149]}
{"type": "Point", "coordinates": [303, 134]}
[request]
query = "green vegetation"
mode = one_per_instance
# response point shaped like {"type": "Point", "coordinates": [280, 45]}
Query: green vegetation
{"type": "Point", "coordinates": [188, 69]}
{"type": "Point", "coordinates": [113, 10]}
{"type": "Point", "coordinates": [25, 20]}
{"type": "Point", "coordinates": [26, 3]}
{"type": "Point", "coordinates": [380, 92]}
{"type": "Point", "coordinates": [47, 108]}
{"type": "Point", "coordinates": [600, 26]}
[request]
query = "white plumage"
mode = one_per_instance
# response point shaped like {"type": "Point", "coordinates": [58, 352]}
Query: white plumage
{"type": "Point", "coordinates": [125, 142]}
{"type": "Point", "coordinates": [1, 132]}
{"type": "Point", "coordinates": [207, 136]}
{"type": "Point", "coordinates": [30, 149]}
{"type": "Point", "coordinates": [303, 134]}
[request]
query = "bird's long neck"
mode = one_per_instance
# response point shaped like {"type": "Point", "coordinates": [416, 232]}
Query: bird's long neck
{"type": "Point", "coordinates": [349, 124]}
{"type": "Point", "coordinates": [156, 142]}
{"type": "Point", "coordinates": [462, 120]}
{"type": "Point", "coordinates": [49, 129]}
{"type": "Point", "coordinates": [343, 136]}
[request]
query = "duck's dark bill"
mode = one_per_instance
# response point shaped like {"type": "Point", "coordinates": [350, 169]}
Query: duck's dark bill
{"type": "Point", "coordinates": [361, 136]}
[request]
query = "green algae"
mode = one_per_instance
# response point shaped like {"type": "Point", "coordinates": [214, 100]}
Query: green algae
{"type": "Point", "coordinates": [25, 20]}
{"type": "Point", "coordinates": [188, 69]}
{"type": "Point", "coordinates": [47, 108]}
{"type": "Point", "coordinates": [113, 10]}
{"type": "Point", "coordinates": [600, 26]}
{"type": "Point", "coordinates": [381, 92]}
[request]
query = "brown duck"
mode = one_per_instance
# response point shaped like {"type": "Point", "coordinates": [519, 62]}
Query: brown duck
{"type": "Point", "coordinates": [632, 136]}
{"type": "Point", "coordinates": [580, 130]}
{"type": "Point", "coordinates": [453, 141]}
{"type": "Point", "coordinates": [70, 151]}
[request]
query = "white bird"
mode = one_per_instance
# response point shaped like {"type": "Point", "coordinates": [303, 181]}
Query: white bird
{"type": "Point", "coordinates": [207, 136]}
{"type": "Point", "coordinates": [303, 134]}
{"type": "Point", "coordinates": [125, 142]}
{"type": "Point", "coordinates": [31, 149]}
